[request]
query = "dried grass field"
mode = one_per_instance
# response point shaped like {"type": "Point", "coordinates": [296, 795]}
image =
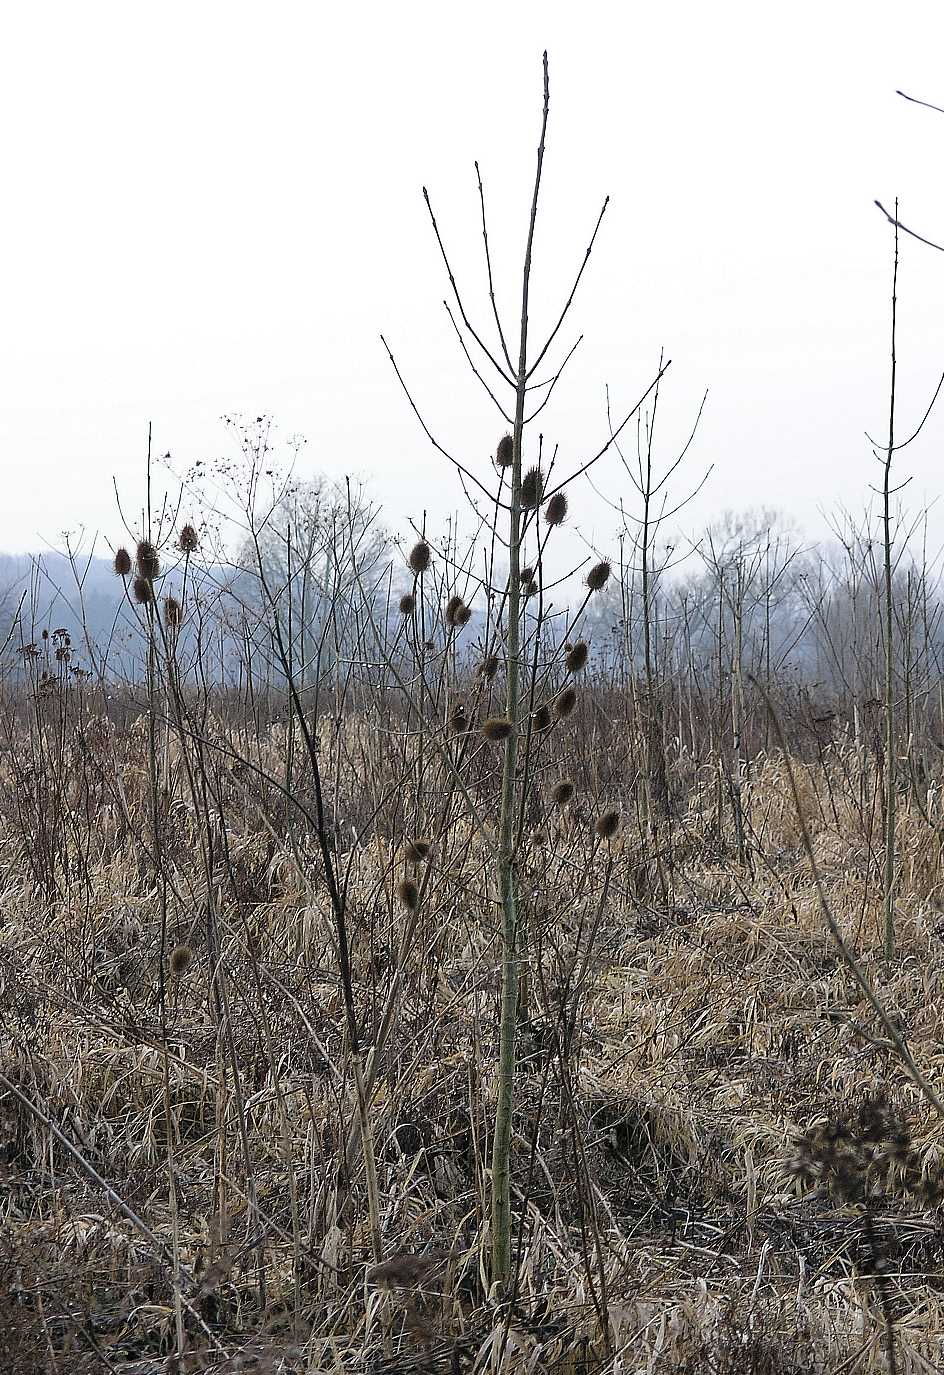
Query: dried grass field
{"type": "Point", "coordinates": [721, 1160]}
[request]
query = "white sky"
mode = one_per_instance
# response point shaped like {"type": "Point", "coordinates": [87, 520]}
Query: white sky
{"type": "Point", "coordinates": [216, 207]}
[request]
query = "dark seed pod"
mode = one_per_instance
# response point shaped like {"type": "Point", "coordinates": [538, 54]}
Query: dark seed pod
{"type": "Point", "coordinates": [607, 825]}
{"type": "Point", "coordinates": [489, 667]}
{"type": "Point", "coordinates": [562, 792]}
{"type": "Point", "coordinates": [181, 958]}
{"type": "Point", "coordinates": [530, 589]}
{"type": "Point", "coordinates": [577, 657]}
{"type": "Point", "coordinates": [143, 590]}
{"type": "Point", "coordinates": [458, 719]}
{"type": "Point", "coordinates": [526, 575]}
{"type": "Point", "coordinates": [409, 894]}
{"type": "Point", "coordinates": [565, 701]}
{"type": "Point", "coordinates": [188, 540]}
{"type": "Point", "coordinates": [407, 604]}
{"type": "Point", "coordinates": [555, 511]}
{"type": "Point", "coordinates": [463, 615]}
{"type": "Point", "coordinates": [505, 453]}
{"type": "Point", "coordinates": [173, 613]}
{"type": "Point", "coordinates": [598, 575]}
{"type": "Point", "coordinates": [496, 728]}
{"type": "Point", "coordinates": [149, 565]}
{"type": "Point", "coordinates": [453, 607]}
{"type": "Point", "coordinates": [122, 562]}
{"type": "Point", "coordinates": [532, 488]}
{"type": "Point", "coordinates": [543, 720]}
{"type": "Point", "coordinates": [421, 557]}
{"type": "Point", "coordinates": [417, 851]}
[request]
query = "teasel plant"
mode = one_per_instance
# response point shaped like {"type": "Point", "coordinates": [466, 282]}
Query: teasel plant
{"type": "Point", "coordinates": [521, 512]}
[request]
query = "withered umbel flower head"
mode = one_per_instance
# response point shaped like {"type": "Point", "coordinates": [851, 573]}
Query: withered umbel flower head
{"type": "Point", "coordinates": [421, 556]}
{"type": "Point", "coordinates": [496, 728]}
{"type": "Point", "coordinates": [555, 512]}
{"type": "Point", "coordinates": [598, 575]}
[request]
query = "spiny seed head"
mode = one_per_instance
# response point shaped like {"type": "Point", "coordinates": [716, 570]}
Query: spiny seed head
{"type": "Point", "coordinates": [532, 488]}
{"type": "Point", "coordinates": [607, 825]}
{"type": "Point", "coordinates": [539, 838]}
{"type": "Point", "coordinates": [496, 728]}
{"type": "Point", "coordinates": [181, 958]}
{"type": "Point", "coordinates": [530, 589]}
{"type": "Point", "coordinates": [407, 604]}
{"type": "Point", "coordinates": [505, 453]}
{"type": "Point", "coordinates": [453, 607]}
{"type": "Point", "coordinates": [143, 590]}
{"type": "Point", "coordinates": [188, 540]}
{"type": "Point", "coordinates": [458, 719]}
{"type": "Point", "coordinates": [417, 851]}
{"type": "Point", "coordinates": [526, 575]}
{"type": "Point", "coordinates": [463, 615]}
{"type": "Point", "coordinates": [555, 512]}
{"type": "Point", "coordinates": [543, 719]}
{"type": "Point", "coordinates": [577, 656]}
{"type": "Point", "coordinates": [409, 894]}
{"type": "Point", "coordinates": [598, 575]}
{"type": "Point", "coordinates": [565, 701]}
{"type": "Point", "coordinates": [489, 667]}
{"type": "Point", "coordinates": [172, 612]}
{"type": "Point", "coordinates": [563, 792]}
{"type": "Point", "coordinates": [421, 556]}
{"type": "Point", "coordinates": [122, 562]}
{"type": "Point", "coordinates": [149, 565]}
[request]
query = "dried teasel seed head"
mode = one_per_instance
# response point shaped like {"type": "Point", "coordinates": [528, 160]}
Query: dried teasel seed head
{"type": "Point", "coordinates": [565, 701]}
{"type": "Point", "coordinates": [463, 615]}
{"type": "Point", "coordinates": [496, 728]}
{"type": "Point", "coordinates": [598, 575]}
{"type": "Point", "coordinates": [409, 894]}
{"type": "Point", "coordinates": [407, 604]}
{"type": "Point", "coordinates": [577, 657]}
{"type": "Point", "coordinates": [607, 825]}
{"type": "Point", "coordinates": [418, 851]}
{"type": "Point", "coordinates": [532, 488]}
{"type": "Point", "coordinates": [148, 563]}
{"type": "Point", "coordinates": [526, 575]}
{"type": "Point", "coordinates": [458, 719]}
{"type": "Point", "coordinates": [421, 556]}
{"type": "Point", "coordinates": [555, 512]}
{"type": "Point", "coordinates": [173, 613]}
{"type": "Point", "coordinates": [530, 589]}
{"type": "Point", "coordinates": [181, 958]}
{"type": "Point", "coordinates": [543, 720]}
{"type": "Point", "coordinates": [188, 541]}
{"type": "Point", "coordinates": [489, 667]}
{"type": "Point", "coordinates": [505, 453]}
{"type": "Point", "coordinates": [122, 562]}
{"type": "Point", "coordinates": [453, 607]}
{"type": "Point", "coordinates": [562, 792]}
{"type": "Point", "coordinates": [143, 590]}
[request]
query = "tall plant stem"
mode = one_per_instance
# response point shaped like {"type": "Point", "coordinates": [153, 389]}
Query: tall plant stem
{"type": "Point", "coordinates": [501, 1144]}
{"type": "Point", "coordinates": [890, 771]}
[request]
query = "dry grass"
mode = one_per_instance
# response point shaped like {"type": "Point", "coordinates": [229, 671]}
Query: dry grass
{"type": "Point", "coordinates": [687, 1018]}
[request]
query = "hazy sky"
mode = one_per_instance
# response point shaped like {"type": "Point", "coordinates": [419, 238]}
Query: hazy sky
{"type": "Point", "coordinates": [211, 208]}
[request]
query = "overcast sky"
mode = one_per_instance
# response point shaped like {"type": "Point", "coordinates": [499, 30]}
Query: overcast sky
{"type": "Point", "coordinates": [213, 208]}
